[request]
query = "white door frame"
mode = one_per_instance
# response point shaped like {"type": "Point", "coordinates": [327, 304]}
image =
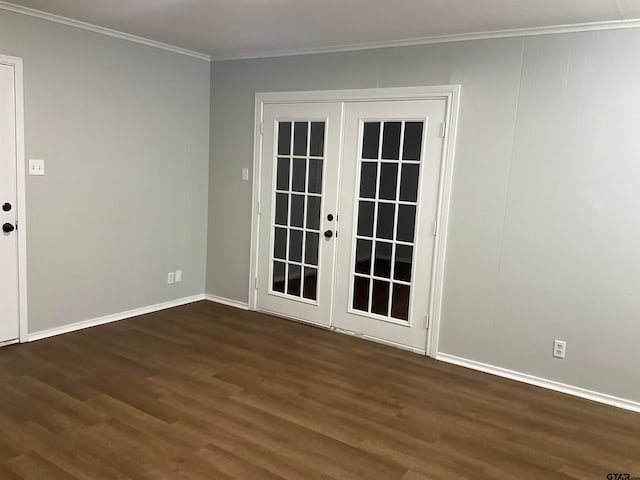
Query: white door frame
{"type": "Point", "coordinates": [21, 231]}
{"type": "Point", "coordinates": [450, 93]}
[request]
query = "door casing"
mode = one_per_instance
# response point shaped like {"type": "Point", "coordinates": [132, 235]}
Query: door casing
{"type": "Point", "coordinates": [21, 232]}
{"type": "Point", "coordinates": [451, 94]}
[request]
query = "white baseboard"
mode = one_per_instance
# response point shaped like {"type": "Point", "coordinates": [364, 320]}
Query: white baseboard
{"type": "Point", "coordinates": [113, 318]}
{"type": "Point", "coordinates": [541, 382]}
{"type": "Point", "coordinates": [226, 301]}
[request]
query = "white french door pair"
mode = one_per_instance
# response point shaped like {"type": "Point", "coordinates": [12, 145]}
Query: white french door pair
{"type": "Point", "coordinates": [348, 204]}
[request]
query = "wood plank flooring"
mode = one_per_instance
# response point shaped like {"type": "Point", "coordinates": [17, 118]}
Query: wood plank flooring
{"type": "Point", "coordinates": [206, 391]}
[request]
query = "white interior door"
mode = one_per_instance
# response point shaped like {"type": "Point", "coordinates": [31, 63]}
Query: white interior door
{"type": "Point", "coordinates": [9, 326]}
{"type": "Point", "coordinates": [299, 188]}
{"type": "Point", "coordinates": [392, 155]}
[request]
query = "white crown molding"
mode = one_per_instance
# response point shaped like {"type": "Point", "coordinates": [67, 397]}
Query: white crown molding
{"type": "Point", "coordinates": [541, 382]}
{"type": "Point", "coordinates": [462, 37]}
{"type": "Point", "coordinates": [113, 318]}
{"type": "Point", "coordinates": [101, 30]}
{"type": "Point", "coordinates": [226, 301]}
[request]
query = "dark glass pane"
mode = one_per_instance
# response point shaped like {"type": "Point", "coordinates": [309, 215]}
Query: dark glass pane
{"type": "Point", "coordinates": [412, 141]}
{"type": "Point", "coordinates": [365, 219]}
{"type": "Point", "coordinates": [409, 183]}
{"type": "Point", "coordinates": [278, 277]}
{"type": "Point", "coordinates": [388, 181]}
{"type": "Point", "coordinates": [310, 283]}
{"type": "Point", "coordinates": [361, 294]}
{"type": "Point", "coordinates": [380, 300]}
{"type": "Point", "coordinates": [282, 204]}
{"type": "Point", "coordinates": [400, 302]}
{"type": "Point", "coordinates": [293, 286]}
{"type": "Point", "coordinates": [316, 146]}
{"type": "Point", "coordinates": [280, 243]}
{"type": "Point", "coordinates": [406, 223]}
{"type": "Point", "coordinates": [295, 245]}
{"type": "Point", "coordinates": [363, 256]}
{"type": "Point", "coordinates": [299, 174]}
{"type": "Point", "coordinates": [300, 131]}
{"type": "Point", "coordinates": [313, 213]}
{"type": "Point", "coordinates": [368, 179]}
{"type": "Point", "coordinates": [404, 258]}
{"type": "Point", "coordinates": [371, 140]}
{"type": "Point", "coordinates": [284, 138]}
{"type": "Point", "coordinates": [311, 248]}
{"type": "Point", "coordinates": [391, 140]}
{"type": "Point", "coordinates": [297, 210]}
{"type": "Point", "coordinates": [382, 261]}
{"type": "Point", "coordinates": [282, 179]}
{"type": "Point", "coordinates": [386, 212]}
{"type": "Point", "coordinates": [315, 176]}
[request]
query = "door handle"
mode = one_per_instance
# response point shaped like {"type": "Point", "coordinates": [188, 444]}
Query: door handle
{"type": "Point", "coordinates": [6, 207]}
{"type": "Point", "coordinates": [328, 234]}
{"type": "Point", "coordinates": [8, 228]}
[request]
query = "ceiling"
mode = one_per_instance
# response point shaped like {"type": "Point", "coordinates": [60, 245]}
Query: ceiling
{"type": "Point", "coordinates": [251, 28]}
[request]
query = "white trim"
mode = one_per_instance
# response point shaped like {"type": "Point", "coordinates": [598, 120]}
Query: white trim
{"type": "Point", "coordinates": [451, 93]}
{"type": "Point", "coordinates": [541, 382]}
{"type": "Point", "coordinates": [114, 318]}
{"type": "Point", "coordinates": [420, 351]}
{"type": "Point", "coordinates": [463, 37]}
{"type": "Point", "coordinates": [32, 12]}
{"type": "Point", "coordinates": [23, 314]}
{"type": "Point", "coordinates": [226, 301]}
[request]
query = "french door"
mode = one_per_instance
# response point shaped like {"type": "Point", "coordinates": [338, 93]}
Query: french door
{"type": "Point", "coordinates": [349, 194]}
{"type": "Point", "coordinates": [9, 319]}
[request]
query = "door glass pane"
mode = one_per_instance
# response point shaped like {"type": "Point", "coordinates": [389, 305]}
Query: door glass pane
{"type": "Point", "coordinates": [368, 179]}
{"type": "Point", "coordinates": [297, 208]}
{"type": "Point", "coordinates": [382, 263]}
{"type": "Point", "coordinates": [316, 145]}
{"type": "Point", "coordinates": [284, 138]}
{"type": "Point", "coordinates": [371, 140]}
{"type": "Point", "coordinates": [412, 145]}
{"type": "Point", "coordinates": [280, 244]}
{"type": "Point", "coordinates": [391, 140]}
{"type": "Point", "coordinates": [388, 181]}
{"type": "Point", "coordinates": [363, 256]}
{"type": "Point", "coordinates": [380, 298]}
{"type": "Point", "coordinates": [400, 302]}
{"type": "Point", "coordinates": [294, 281]}
{"type": "Point", "coordinates": [386, 216]}
{"type": "Point", "coordinates": [300, 132]}
{"type": "Point", "coordinates": [361, 293]}
{"type": "Point", "coordinates": [278, 277]}
{"type": "Point", "coordinates": [310, 283]}
{"type": "Point", "coordinates": [282, 182]}
{"type": "Point", "coordinates": [315, 175]}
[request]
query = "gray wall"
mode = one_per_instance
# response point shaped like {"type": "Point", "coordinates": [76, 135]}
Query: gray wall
{"type": "Point", "coordinates": [544, 232]}
{"type": "Point", "coordinates": [124, 131]}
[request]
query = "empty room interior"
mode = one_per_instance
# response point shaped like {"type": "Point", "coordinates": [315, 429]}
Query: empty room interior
{"type": "Point", "coordinates": [320, 240]}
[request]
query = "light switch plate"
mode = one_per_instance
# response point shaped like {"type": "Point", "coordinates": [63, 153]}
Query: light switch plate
{"type": "Point", "coordinates": [36, 166]}
{"type": "Point", "coordinates": [245, 174]}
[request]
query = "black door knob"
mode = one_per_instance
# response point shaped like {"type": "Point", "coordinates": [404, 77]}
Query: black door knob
{"type": "Point", "coordinates": [6, 207]}
{"type": "Point", "coordinates": [8, 228]}
{"type": "Point", "coordinates": [330, 217]}
{"type": "Point", "coordinates": [328, 233]}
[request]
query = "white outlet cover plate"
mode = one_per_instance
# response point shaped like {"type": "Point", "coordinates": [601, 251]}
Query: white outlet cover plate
{"type": "Point", "coordinates": [178, 276]}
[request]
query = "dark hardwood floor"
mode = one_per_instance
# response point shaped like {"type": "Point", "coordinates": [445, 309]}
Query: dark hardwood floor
{"type": "Point", "coordinates": [205, 391]}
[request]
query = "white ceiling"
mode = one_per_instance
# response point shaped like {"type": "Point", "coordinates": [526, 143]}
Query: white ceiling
{"type": "Point", "coordinates": [245, 28]}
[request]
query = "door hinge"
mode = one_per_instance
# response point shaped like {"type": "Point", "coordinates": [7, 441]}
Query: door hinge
{"type": "Point", "coordinates": [255, 283]}
{"type": "Point", "coordinates": [261, 128]}
{"type": "Point", "coordinates": [428, 319]}
{"type": "Point", "coordinates": [435, 228]}
{"type": "Point", "coordinates": [259, 208]}
{"type": "Point", "coordinates": [443, 129]}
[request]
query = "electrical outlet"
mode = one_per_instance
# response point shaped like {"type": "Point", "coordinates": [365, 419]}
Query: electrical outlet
{"type": "Point", "coordinates": [245, 174]}
{"type": "Point", "coordinates": [178, 276]}
{"type": "Point", "coordinates": [170, 278]}
{"type": "Point", "coordinates": [559, 348]}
